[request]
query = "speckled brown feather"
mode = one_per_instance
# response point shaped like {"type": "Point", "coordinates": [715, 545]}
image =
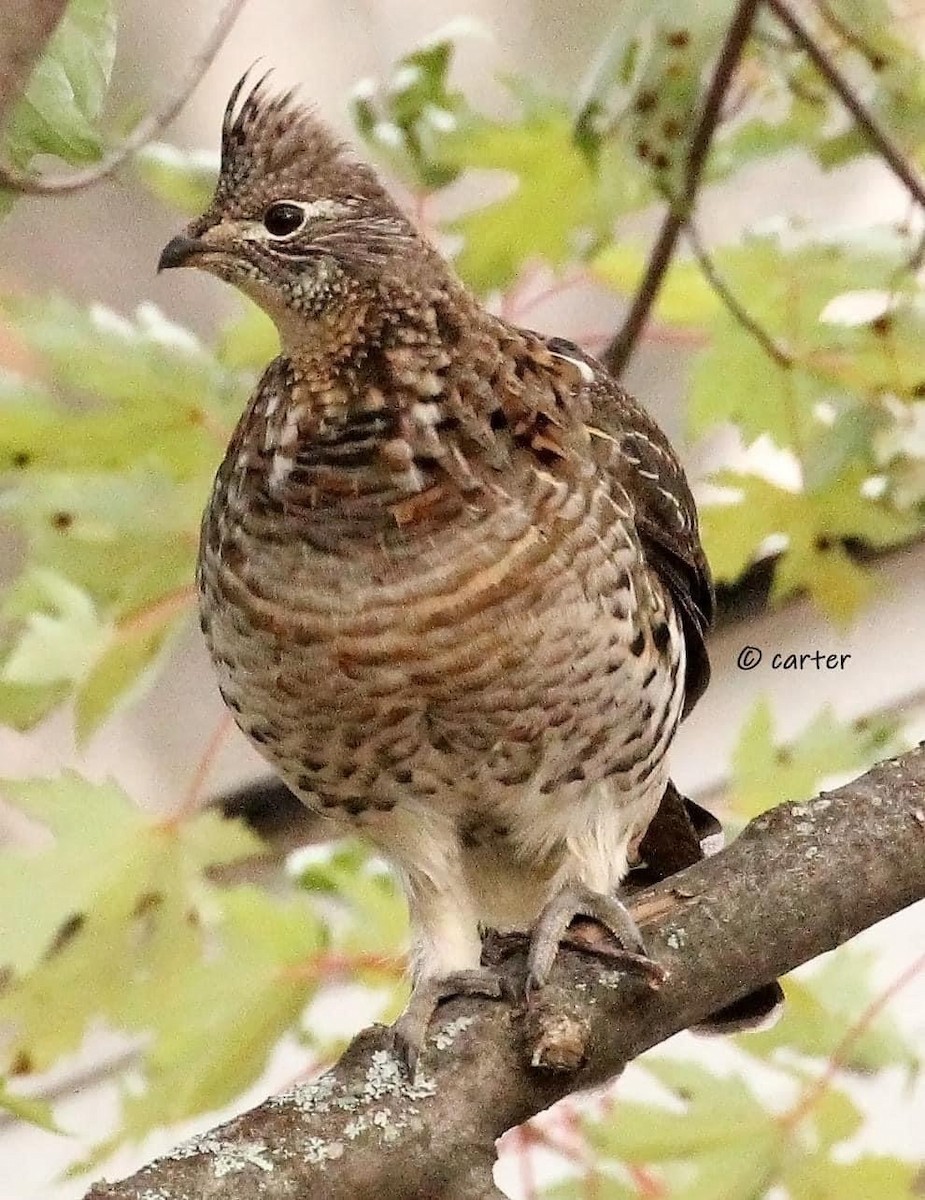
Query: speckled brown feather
{"type": "Point", "coordinates": [450, 572]}
{"type": "Point", "coordinates": [639, 456]}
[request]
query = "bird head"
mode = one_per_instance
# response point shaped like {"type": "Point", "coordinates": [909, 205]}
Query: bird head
{"type": "Point", "coordinates": [296, 223]}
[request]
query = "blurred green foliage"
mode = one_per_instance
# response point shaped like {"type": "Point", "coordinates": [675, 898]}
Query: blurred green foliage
{"type": "Point", "coordinates": [59, 113]}
{"type": "Point", "coordinates": [719, 1139]}
{"type": "Point", "coordinates": [765, 773]}
{"type": "Point", "coordinates": [111, 432]}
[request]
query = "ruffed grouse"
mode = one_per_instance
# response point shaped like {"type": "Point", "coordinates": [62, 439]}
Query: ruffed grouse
{"type": "Point", "coordinates": [450, 572]}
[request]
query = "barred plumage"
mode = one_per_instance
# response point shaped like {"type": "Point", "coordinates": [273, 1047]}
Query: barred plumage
{"type": "Point", "coordinates": [450, 572]}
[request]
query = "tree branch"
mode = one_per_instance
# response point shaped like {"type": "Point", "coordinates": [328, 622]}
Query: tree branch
{"type": "Point", "coordinates": [26, 27]}
{"type": "Point", "coordinates": [850, 36]}
{"type": "Point", "coordinates": [878, 137]}
{"type": "Point", "coordinates": [799, 881]}
{"type": "Point", "coordinates": [731, 302]}
{"type": "Point", "coordinates": [620, 350]}
{"type": "Point", "coordinates": [146, 129]}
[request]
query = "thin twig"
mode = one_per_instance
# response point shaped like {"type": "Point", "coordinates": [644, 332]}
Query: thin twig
{"type": "Point", "coordinates": [620, 350]}
{"type": "Point", "coordinates": [839, 1055]}
{"type": "Point", "coordinates": [153, 615]}
{"type": "Point", "coordinates": [731, 302]}
{"type": "Point", "coordinates": [144, 131]}
{"type": "Point", "coordinates": [868, 124]}
{"type": "Point", "coordinates": [191, 797]}
{"type": "Point", "coordinates": [850, 36]}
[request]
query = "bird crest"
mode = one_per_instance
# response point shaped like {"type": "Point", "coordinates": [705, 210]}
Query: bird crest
{"type": "Point", "coordinates": [271, 141]}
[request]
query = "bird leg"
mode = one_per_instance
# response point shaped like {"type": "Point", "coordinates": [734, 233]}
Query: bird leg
{"type": "Point", "coordinates": [409, 1032]}
{"type": "Point", "coordinates": [552, 929]}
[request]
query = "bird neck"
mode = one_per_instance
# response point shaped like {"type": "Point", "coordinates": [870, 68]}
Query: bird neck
{"type": "Point", "coordinates": [354, 421]}
{"type": "Point", "coordinates": [373, 325]}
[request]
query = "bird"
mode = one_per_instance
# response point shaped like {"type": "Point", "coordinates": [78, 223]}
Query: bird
{"type": "Point", "coordinates": [450, 572]}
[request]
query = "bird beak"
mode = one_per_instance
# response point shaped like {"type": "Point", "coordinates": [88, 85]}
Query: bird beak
{"type": "Point", "coordinates": [179, 251]}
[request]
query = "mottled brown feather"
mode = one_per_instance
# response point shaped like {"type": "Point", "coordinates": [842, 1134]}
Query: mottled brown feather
{"type": "Point", "coordinates": [642, 459]}
{"type": "Point", "coordinates": [450, 572]}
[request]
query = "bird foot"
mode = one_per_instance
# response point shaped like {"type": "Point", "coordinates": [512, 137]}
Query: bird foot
{"type": "Point", "coordinates": [409, 1032]}
{"type": "Point", "coordinates": [619, 938]}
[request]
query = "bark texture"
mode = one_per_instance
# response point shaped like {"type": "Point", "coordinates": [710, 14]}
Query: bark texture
{"type": "Point", "coordinates": [800, 880]}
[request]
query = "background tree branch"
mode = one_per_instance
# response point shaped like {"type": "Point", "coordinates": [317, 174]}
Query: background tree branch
{"type": "Point", "coordinates": [619, 352]}
{"type": "Point", "coordinates": [734, 306]}
{"type": "Point", "coordinates": [145, 131]}
{"type": "Point", "coordinates": [879, 139]}
{"type": "Point", "coordinates": [799, 881]}
{"type": "Point", "coordinates": [25, 28]}
{"type": "Point", "coordinates": [681, 207]}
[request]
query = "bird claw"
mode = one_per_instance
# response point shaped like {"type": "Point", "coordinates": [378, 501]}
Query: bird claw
{"type": "Point", "coordinates": [408, 1034]}
{"type": "Point", "coordinates": [552, 931]}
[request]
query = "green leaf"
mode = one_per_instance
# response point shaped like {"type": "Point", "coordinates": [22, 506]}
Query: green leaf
{"type": "Point", "coordinates": [106, 859]}
{"type": "Point", "coordinates": [601, 1187]}
{"type": "Point", "coordinates": [885, 66]}
{"type": "Point", "coordinates": [62, 634]}
{"type": "Point", "coordinates": [819, 1178]}
{"type": "Point", "coordinates": [789, 290]}
{"type": "Point", "coordinates": [730, 373]}
{"type": "Point", "coordinates": [722, 1143]}
{"type": "Point", "coordinates": [815, 526]}
{"type": "Point", "coordinates": [23, 706]}
{"type": "Point", "coordinates": [349, 872]}
{"type": "Point", "coordinates": [127, 538]}
{"type": "Point", "coordinates": [58, 112]}
{"type": "Point", "coordinates": [791, 109]}
{"type": "Point", "coordinates": [842, 444]}
{"type": "Point", "coordinates": [106, 921]}
{"type": "Point", "coordinates": [87, 976]}
{"type": "Point", "coordinates": [120, 671]}
{"type": "Point", "coordinates": [24, 1108]}
{"type": "Point", "coordinates": [108, 490]}
{"type": "Point", "coordinates": [184, 179]}
{"type": "Point", "coordinates": [663, 105]}
{"type": "Point", "coordinates": [210, 840]}
{"type": "Point", "coordinates": [647, 83]}
{"type": "Point", "coordinates": [824, 1005]}
{"type": "Point", "coordinates": [146, 364]}
{"type": "Point", "coordinates": [717, 1140]}
{"type": "Point", "coordinates": [739, 1172]}
{"type": "Point", "coordinates": [874, 357]}
{"type": "Point", "coordinates": [115, 557]}
{"type": "Point", "coordinates": [899, 447]}
{"type": "Point", "coordinates": [651, 1133]}
{"type": "Point", "coordinates": [685, 297]}
{"type": "Point", "coordinates": [408, 119]}
{"type": "Point", "coordinates": [221, 1017]}
{"type": "Point", "coordinates": [764, 774]}
{"type": "Point", "coordinates": [160, 398]}
{"type": "Point", "coordinates": [558, 205]}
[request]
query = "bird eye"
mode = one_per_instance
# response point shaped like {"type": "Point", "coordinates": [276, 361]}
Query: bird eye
{"type": "Point", "coordinates": [283, 218]}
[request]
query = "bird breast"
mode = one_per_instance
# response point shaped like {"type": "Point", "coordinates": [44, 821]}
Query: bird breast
{"type": "Point", "coordinates": [524, 646]}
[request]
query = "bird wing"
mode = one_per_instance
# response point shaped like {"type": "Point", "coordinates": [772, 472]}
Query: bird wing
{"type": "Point", "coordinates": [635, 453]}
